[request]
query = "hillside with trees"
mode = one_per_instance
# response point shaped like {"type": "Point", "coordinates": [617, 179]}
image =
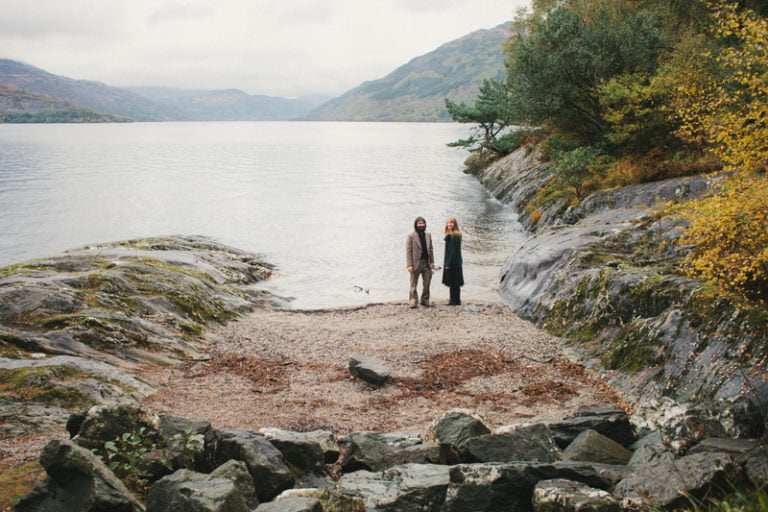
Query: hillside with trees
{"type": "Point", "coordinates": [617, 93]}
{"type": "Point", "coordinates": [416, 90]}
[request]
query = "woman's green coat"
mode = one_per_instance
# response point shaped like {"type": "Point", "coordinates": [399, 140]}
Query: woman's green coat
{"type": "Point", "coordinates": [453, 275]}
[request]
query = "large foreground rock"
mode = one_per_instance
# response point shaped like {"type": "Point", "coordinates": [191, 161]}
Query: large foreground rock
{"type": "Point", "coordinates": [454, 428]}
{"type": "Point", "coordinates": [188, 491]}
{"type": "Point", "coordinates": [268, 467]}
{"type": "Point", "coordinates": [104, 423]}
{"type": "Point", "coordinates": [77, 482]}
{"type": "Point", "coordinates": [406, 488]}
{"type": "Point", "coordinates": [611, 422]}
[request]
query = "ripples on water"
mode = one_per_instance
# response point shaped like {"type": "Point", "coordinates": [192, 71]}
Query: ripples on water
{"type": "Point", "coordinates": [329, 203]}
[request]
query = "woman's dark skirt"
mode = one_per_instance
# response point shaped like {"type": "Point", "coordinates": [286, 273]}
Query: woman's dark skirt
{"type": "Point", "coordinates": [453, 277]}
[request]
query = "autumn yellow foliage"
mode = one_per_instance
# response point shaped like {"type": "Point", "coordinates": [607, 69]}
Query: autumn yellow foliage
{"type": "Point", "coordinates": [729, 235]}
{"type": "Point", "coordinates": [725, 107]}
{"type": "Point", "coordinates": [724, 102]}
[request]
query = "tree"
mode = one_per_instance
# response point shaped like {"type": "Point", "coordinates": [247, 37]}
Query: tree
{"type": "Point", "coordinates": [554, 72]}
{"type": "Point", "coordinates": [492, 113]}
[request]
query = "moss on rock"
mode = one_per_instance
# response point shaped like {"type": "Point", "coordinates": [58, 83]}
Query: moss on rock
{"type": "Point", "coordinates": [41, 385]}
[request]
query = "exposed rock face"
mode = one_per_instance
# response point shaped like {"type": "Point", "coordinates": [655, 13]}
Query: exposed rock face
{"type": "Point", "coordinates": [366, 451]}
{"type": "Point", "coordinates": [293, 504]}
{"type": "Point", "coordinates": [611, 422]}
{"type": "Point", "coordinates": [76, 326]}
{"type": "Point", "coordinates": [301, 451]}
{"type": "Point", "coordinates": [127, 301]}
{"type": "Point", "coordinates": [604, 272]}
{"type": "Point", "coordinates": [237, 472]}
{"type": "Point", "coordinates": [509, 486]}
{"type": "Point", "coordinates": [665, 480]}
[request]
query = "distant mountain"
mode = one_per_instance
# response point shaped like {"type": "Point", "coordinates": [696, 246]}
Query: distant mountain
{"type": "Point", "coordinates": [228, 104]}
{"type": "Point", "coordinates": [417, 90]}
{"type": "Point", "coordinates": [94, 95]}
{"type": "Point", "coordinates": [19, 106]}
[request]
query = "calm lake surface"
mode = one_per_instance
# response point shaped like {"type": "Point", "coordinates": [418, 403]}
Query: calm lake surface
{"type": "Point", "coordinates": [329, 203]}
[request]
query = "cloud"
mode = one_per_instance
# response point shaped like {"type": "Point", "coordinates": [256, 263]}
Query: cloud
{"type": "Point", "coordinates": [178, 11]}
{"type": "Point", "coordinates": [35, 19]}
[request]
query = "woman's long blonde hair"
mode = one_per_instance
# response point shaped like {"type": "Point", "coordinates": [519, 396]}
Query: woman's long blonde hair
{"type": "Point", "coordinates": [455, 230]}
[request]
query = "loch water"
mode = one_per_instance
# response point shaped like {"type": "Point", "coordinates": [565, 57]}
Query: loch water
{"type": "Point", "coordinates": [330, 204]}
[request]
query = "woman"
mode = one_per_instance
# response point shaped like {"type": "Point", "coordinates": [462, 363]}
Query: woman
{"type": "Point", "coordinates": [453, 276]}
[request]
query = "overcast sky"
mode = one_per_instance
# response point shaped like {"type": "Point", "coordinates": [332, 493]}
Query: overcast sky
{"type": "Point", "coordinates": [274, 47]}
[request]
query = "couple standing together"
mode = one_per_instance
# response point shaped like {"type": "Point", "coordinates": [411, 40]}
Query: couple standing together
{"type": "Point", "coordinates": [420, 259]}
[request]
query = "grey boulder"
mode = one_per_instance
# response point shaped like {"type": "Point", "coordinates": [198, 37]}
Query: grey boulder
{"type": "Point", "coordinates": [453, 428]}
{"type": "Point", "coordinates": [77, 482]}
{"type": "Point", "coordinates": [406, 488]}
{"type": "Point", "coordinates": [369, 370]}
{"type": "Point", "coordinates": [267, 465]}
{"type": "Point", "coordinates": [528, 443]}
{"type": "Point", "coordinates": [189, 491]}
{"type": "Point", "coordinates": [369, 452]}
{"type": "Point", "coordinates": [590, 446]}
{"type": "Point", "coordinates": [237, 472]}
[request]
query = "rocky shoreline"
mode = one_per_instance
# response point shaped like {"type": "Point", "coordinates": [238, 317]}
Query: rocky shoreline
{"type": "Point", "coordinates": [602, 275]}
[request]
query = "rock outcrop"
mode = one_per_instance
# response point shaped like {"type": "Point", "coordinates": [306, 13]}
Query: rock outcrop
{"type": "Point", "coordinates": [603, 275]}
{"type": "Point", "coordinates": [74, 328]}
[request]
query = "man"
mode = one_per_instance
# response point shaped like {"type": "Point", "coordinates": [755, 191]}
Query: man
{"type": "Point", "coordinates": [420, 259]}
